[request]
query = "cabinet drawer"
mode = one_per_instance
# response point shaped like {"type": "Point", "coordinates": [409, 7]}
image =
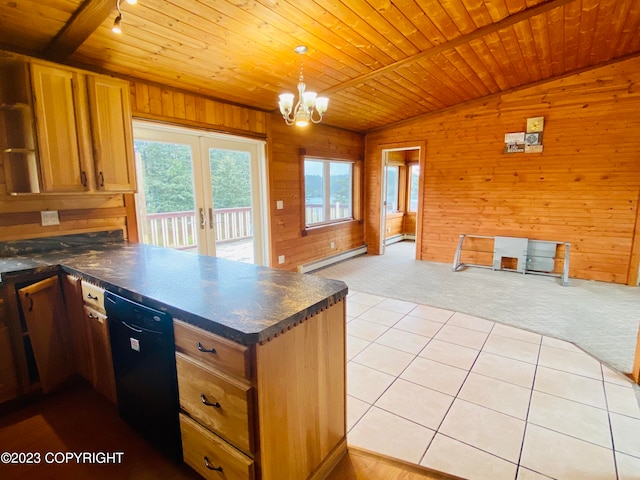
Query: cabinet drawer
{"type": "Point", "coordinates": [93, 296]}
{"type": "Point", "coordinates": [222, 405]}
{"type": "Point", "coordinates": [210, 349]}
{"type": "Point", "coordinates": [211, 456]}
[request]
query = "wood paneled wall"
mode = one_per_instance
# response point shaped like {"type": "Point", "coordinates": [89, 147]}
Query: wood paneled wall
{"type": "Point", "coordinates": [164, 104]}
{"type": "Point", "coordinates": [583, 188]}
{"type": "Point", "coordinates": [285, 183]}
{"type": "Point", "coordinates": [284, 164]}
{"type": "Point", "coordinates": [20, 215]}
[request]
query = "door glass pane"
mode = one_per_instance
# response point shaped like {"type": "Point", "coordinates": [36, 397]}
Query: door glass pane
{"type": "Point", "coordinates": [166, 200]}
{"type": "Point", "coordinates": [314, 200]}
{"type": "Point", "coordinates": [232, 211]}
{"type": "Point", "coordinates": [392, 188]}
{"type": "Point", "coordinates": [414, 175]}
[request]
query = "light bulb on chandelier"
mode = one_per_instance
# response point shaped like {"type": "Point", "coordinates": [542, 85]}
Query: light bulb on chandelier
{"type": "Point", "coordinates": [309, 107]}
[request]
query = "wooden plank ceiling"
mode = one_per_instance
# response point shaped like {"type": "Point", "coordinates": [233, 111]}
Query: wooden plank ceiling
{"type": "Point", "coordinates": [379, 61]}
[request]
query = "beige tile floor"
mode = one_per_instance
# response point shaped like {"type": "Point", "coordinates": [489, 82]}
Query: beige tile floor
{"type": "Point", "coordinates": [483, 400]}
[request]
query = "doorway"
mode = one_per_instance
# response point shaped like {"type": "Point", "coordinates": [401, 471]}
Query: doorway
{"type": "Point", "coordinates": [201, 192]}
{"type": "Point", "coordinates": [400, 205]}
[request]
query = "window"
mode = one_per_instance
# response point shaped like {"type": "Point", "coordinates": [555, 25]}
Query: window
{"type": "Point", "coordinates": [328, 191]}
{"type": "Point", "coordinates": [393, 183]}
{"type": "Point", "coordinates": [414, 175]}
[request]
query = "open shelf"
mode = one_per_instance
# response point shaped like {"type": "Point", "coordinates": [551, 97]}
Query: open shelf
{"type": "Point", "coordinates": [516, 254]}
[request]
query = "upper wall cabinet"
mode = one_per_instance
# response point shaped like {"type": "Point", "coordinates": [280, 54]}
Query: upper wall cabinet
{"type": "Point", "coordinates": [65, 130]}
{"type": "Point", "coordinates": [61, 124]}
{"type": "Point", "coordinates": [112, 133]}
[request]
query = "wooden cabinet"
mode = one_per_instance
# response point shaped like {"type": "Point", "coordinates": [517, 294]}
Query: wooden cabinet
{"type": "Point", "coordinates": [17, 134]}
{"type": "Point", "coordinates": [89, 334]}
{"type": "Point", "coordinates": [44, 316]}
{"type": "Point", "coordinates": [82, 141]}
{"type": "Point", "coordinates": [101, 361]}
{"type": "Point", "coordinates": [8, 376]}
{"type": "Point", "coordinates": [78, 328]}
{"type": "Point", "coordinates": [210, 456]}
{"type": "Point", "coordinates": [56, 329]}
{"type": "Point", "coordinates": [274, 410]}
{"type": "Point", "coordinates": [112, 135]}
{"type": "Point", "coordinates": [97, 326]}
{"type": "Point", "coordinates": [216, 399]}
{"type": "Point", "coordinates": [59, 97]}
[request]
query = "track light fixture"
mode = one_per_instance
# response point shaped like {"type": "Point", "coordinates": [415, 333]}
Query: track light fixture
{"type": "Point", "coordinates": [117, 24]}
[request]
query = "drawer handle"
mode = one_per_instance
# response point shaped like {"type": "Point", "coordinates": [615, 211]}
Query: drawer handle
{"type": "Point", "coordinates": [91, 297]}
{"type": "Point", "coordinates": [206, 350]}
{"type": "Point", "coordinates": [211, 467]}
{"type": "Point", "coordinates": [204, 400]}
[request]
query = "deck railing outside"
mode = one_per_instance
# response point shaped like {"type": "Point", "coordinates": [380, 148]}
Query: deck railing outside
{"type": "Point", "coordinates": [179, 230]}
{"type": "Point", "coordinates": [314, 213]}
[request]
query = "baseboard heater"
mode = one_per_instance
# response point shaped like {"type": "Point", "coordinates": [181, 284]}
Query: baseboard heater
{"type": "Point", "coordinates": [399, 238]}
{"type": "Point", "coordinates": [324, 262]}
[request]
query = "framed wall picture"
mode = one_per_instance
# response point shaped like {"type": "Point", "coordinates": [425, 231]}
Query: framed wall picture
{"type": "Point", "coordinates": [535, 124]}
{"type": "Point", "coordinates": [533, 139]}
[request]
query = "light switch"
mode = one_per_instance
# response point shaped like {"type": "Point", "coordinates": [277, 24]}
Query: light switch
{"type": "Point", "coordinates": [279, 204]}
{"type": "Point", "coordinates": [49, 217]}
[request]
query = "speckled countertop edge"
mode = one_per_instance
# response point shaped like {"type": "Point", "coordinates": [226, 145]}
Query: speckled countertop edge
{"type": "Point", "coordinates": [244, 303]}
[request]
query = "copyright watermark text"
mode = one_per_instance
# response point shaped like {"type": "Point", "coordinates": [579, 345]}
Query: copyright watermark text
{"type": "Point", "coordinates": [61, 457]}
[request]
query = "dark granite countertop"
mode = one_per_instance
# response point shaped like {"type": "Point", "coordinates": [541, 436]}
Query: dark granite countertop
{"type": "Point", "coordinates": [242, 302]}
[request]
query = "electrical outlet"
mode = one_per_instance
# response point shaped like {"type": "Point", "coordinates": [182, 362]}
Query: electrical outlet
{"type": "Point", "coordinates": [388, 229]}
{"type": "Point", "coordinates": [279, 204]}
{"type": "Point", "coordinates": [332, 245]}
{"type": "Point", "coordinates": [49, 217]}
{"type": "Point", "coordinates": [281, 259]}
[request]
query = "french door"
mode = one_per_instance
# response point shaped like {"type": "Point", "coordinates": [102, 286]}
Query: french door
{"type": "Point", "coordinates": [201, 192]}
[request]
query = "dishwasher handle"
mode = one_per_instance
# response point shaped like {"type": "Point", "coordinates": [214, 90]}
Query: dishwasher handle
{"type": "Point", "coordinates": [139, 329]}
{"type": "Point", "coordinates": [131, 327]}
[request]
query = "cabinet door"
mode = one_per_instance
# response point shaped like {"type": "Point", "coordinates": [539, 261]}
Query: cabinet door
{"type": "Point", "coordinates": [78, 334]}
{"type": "Point", "coordinates": [103, 378]}
{"type": "Point", "coordinates": [61, 123]}
{"type": "Point", "coordinates": [8, 377]}
{"type": "Point", "coordinates": [44, 315]}
{"type": "Point", "coordinates": [112, 134]}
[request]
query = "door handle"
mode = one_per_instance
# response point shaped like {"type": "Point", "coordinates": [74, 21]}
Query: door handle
{"type": "Point", "coordinates": [211, 218]}
{"type": "Point", "coordinates": [203, 222]}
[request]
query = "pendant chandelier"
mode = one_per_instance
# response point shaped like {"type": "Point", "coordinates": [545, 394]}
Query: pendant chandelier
{"type": "Point", "coordinates": [308, 108]}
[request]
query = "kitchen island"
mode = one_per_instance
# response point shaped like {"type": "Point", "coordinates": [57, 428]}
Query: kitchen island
{"type": "Point", "coordinates": [285, 333]}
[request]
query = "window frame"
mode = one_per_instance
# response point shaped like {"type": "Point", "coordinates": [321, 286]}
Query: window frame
{"type": "Point", "coordinates": [356, 190]}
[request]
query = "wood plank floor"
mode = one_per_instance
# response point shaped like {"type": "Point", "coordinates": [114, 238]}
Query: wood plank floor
{"type": "Point", "coordinates": [361, 465]}
{"type": "Point", "coordinates": [78, 419]}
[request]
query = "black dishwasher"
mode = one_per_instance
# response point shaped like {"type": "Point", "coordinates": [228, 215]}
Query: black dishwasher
{"type": "Point", "coordinates": [143, 349]}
